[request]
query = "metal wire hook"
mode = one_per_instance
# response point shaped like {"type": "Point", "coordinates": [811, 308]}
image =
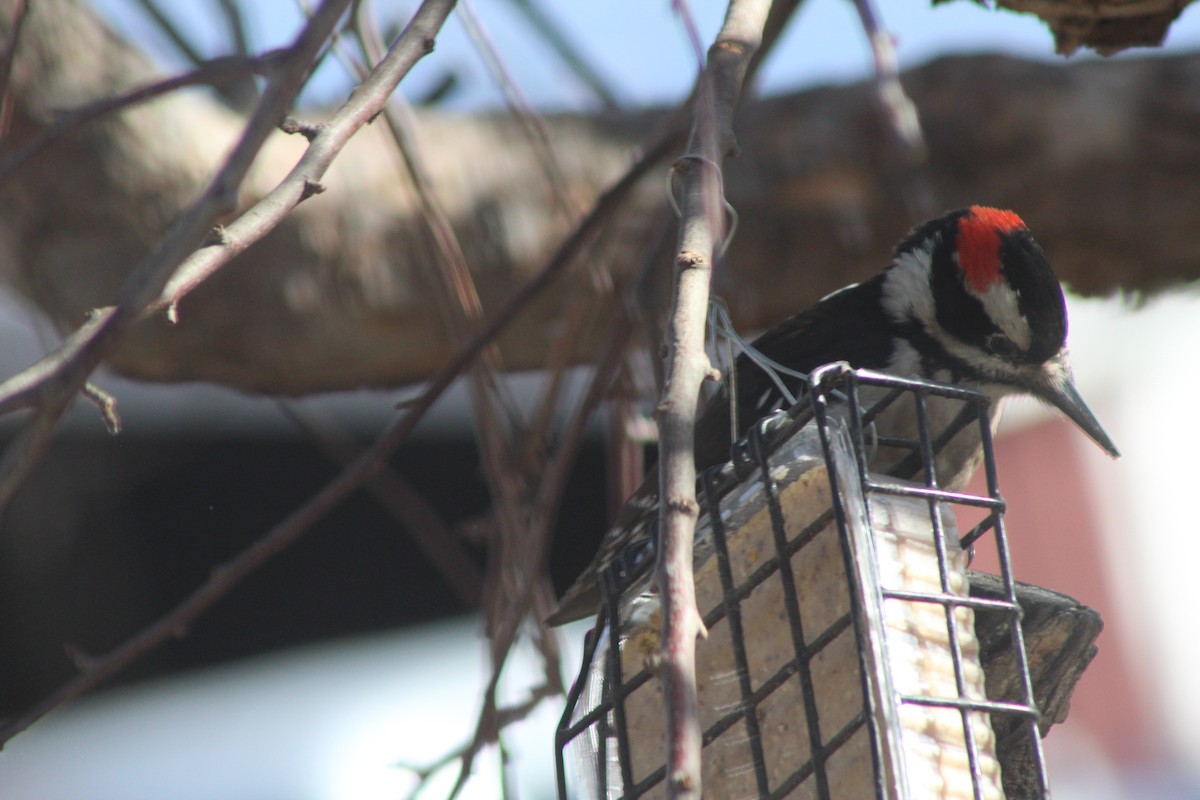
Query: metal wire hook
{"type": "Point", "coordinates": [720, 324]}
{"type": "Point", "coordinates": [734, 218]}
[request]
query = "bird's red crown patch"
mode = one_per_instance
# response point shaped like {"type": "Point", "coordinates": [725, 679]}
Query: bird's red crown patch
{"type": "Point", "coordinates": [979, 232]}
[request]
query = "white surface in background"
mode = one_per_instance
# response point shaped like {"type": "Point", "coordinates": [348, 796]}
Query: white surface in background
{"type": "Point", "coordinates": [339, 721]}
{"type": "Point", "coordinates": [1149, 380]}
{"type": "Point", "coordinates": [329, 722]}
{"type": "Point", "coordinates": [180, 409]}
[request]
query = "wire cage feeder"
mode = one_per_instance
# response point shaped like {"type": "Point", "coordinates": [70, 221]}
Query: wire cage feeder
{"type": "Point", "coordinates": [841, 659]}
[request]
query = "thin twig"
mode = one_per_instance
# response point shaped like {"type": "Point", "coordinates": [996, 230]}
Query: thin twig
{"type": "Point", "coordinates": [19, 12]}
{"type": "Point", "coordinates": [607, 366]}
{"type": "Point", "coordinates": [485, 726]}
{"type": "Point", "coordinates": [898, 107]}
{"type": "Point", "coordinates": [366, 465]}
{"type": "Point", "coordinates": [692, 30]}
{"type": "Point", "coordinates": [544, 639]}
{"type": "Point", "coordinates": [778, 18]}
{"type": "Point", "coordinates": [567, 52]}
{"type": "Point", "coordinates": [146, 281]}
{"type": "Point", "coordinates": [461, 311]}
{"type": "Point", "coordinates": [522, 528]}
{"type": "Point", "coordinates": [501, 638]}
{"type": "Point", "coordinates": [156, 284]}
{"type": "Point", "coordinates": [579, 315]}
{"type": "Point", "coordinates": [26, 388]}
{"type": "Point", "coordinates": [236, 24]}
{"type": "Point", "coordinates": [564, 339]}
{"type": "Point", "coordinates": [512, 573]}
{"type": "Point", "coordinates": [642, 377]}
{"type": "Point", "coordinates": [402, 500]}
{"type": "Point", "coordinates": [364, 104]}
{"type": "Point", "coordinates": [701, 232]}
{"type": "Point", "coordinates": [509, 575]}
{"type": "Point", "coordinates": [581, 306]}
{"type": "Point", "coordinates": [243, 93]}
{"type": "Point", "coordinates": [624, 452]}
{"type": "Point", "coordinates": [504, 717]}
{"type": "Point", "coordinates": [171, 31]}
{"type": "Point", "coordinates": [457, 293]}
{"type": "Point", "coordinates": [531, 121]}
{"type": "Point", "coordinates": [899, 111]}
{"type": "Point", "coordinates": [106, 404]}
{"type": "Point", "coordinates": [557, 472]}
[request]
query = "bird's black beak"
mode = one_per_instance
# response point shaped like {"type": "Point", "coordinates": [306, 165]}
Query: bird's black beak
{"type": "Point", "coordinates": [1058, 388]}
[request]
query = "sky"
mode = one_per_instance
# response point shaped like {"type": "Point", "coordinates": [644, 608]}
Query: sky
{"type": "Point", "coordinates": [639, 46]}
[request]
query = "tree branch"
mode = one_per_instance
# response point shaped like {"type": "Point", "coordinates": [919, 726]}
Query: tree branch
{"type": "Point", "coordinates": [401, 499]}
{"type": "Point", "coordinates": [19, 13]}
{"type": "Point", "coordinates": [567, 52]}
{"type": "Point", "coordinates": [365, 466]}
{"type": "Point", "coordinates": [701, 234]}
{"type": "Point", "coordinates": [351, 314]}
{"type": "Point", "coordinates": [156, 284]}
{"type": "Point", "coordinates": [60, 385]}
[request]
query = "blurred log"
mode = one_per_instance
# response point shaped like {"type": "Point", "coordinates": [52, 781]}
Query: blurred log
{"type": "Point", "coordinates": [1107, 27]}
{"type": "Point", "coordinates": [1060, 638]}
{"type": "Point", "coordinates": [1100, 158]}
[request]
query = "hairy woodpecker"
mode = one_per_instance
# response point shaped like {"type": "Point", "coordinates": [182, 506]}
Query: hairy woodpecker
{"type": "Point", "coordinates": [968, 299]}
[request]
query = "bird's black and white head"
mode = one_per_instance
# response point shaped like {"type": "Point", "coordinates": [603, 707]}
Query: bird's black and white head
{"type": "Point", "coordinates": [977, 302]}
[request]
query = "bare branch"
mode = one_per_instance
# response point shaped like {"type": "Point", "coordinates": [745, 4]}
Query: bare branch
{"type": "Point", "coordinates": [691, 29]}
{"type": "Point", "coordinates": [420, 520]}
{"type": "Point", "coordinates": [778, 17]}
{"type": "Point", "coordinates": [558, 470]}
{"type": "Point", "coordinates": [156, 284]}
{"type": "Point", "coordinates": [81, 355]}
{"type": "Point", "coordinates": [502, 637]}
{"type": "Point", "coordinates": [363, 106]}
{"type": "Point", "coordinates": [26, 388]}
{"type": "Point", "coordinates": [241, 93]}
{"type": "Point", "coordinates": [236, 24]}
{"type": "Point", "coordinates": [514, 577]}
{"type": "Point", "coordinates": [900, 113]}
{"type": "Point", "coordinates": [466, 753]}
{"type": "Point", "coordinates": [365, 466]}
{"type": "Point", "coordinates": [581, 308]}
{"type": "Point", "coordinates": [566, 51]}
{"type": "Point", "coordinates": [701, 234]}
{"type": "Point", "coordinates": [107, 406]}
{"type": "Point", "coordinates": [510, 575]}
{"type": "Point", "coordinates": [522, 109]}
{"type": "Point", "coordinates": [6, 64]}
{"type": "Point", "coordinates": [171, 31]}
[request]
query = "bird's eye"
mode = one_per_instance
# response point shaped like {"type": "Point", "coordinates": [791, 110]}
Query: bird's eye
{"type": "Point", "coordinates": [1002, 346]}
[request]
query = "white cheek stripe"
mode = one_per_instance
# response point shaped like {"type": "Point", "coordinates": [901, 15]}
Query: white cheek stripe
{"type": "Point", "coordinates": [1002, 305]}
{"type": "Point", "coordinates": [908, 295]}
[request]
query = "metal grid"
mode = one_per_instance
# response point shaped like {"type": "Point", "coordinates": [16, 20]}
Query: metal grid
{"type": "Point", "coordinates": [835, 393]}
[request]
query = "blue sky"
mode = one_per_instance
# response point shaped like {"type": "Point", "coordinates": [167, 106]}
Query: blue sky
{"type": "Point", "coordinates": [639, 45]}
